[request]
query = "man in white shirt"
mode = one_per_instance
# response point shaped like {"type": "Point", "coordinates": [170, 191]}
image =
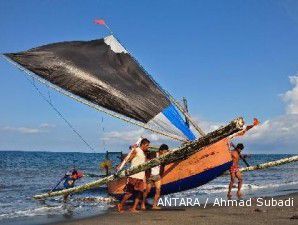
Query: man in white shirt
{"type": "Point", "coordinates": [135, 183]}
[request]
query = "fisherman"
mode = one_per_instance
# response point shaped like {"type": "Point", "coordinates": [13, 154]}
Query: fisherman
{"type": "Point", "coordinates": [69, 180]}
{"type": "Point", "coordinates": [236, 155]}
{"type": "Point", "coordinates": [234, 169]}
{"type": "Point", "coordinates": [155, 178]}
{"type": "Point", "coordinates": [135, 183]}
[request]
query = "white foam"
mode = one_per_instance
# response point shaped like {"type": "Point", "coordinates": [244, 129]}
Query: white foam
{"type": "Point", "coordinates": [33, 212]}
{"type": "Point", "coordinates": [220, 188]}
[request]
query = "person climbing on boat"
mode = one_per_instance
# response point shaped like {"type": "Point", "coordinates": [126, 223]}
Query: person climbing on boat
{"type": "Point", "coordinates": [69, 180]}
{"type": "Point", "coordinates": [155, 179]}
{"type": "Point", "coordinates": [135, 183]}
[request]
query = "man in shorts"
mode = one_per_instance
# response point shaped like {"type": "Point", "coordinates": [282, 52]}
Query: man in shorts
{"type": "Point", "coordinates": [154, 179]}
{"type": "Point", "coordinates": [135, 183]}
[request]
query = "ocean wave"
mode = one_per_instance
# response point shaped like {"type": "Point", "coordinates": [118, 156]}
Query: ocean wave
{"type": "Point", "coordinates": [219, 188]}
{"type": "Point", "coordinates": [34, 212]}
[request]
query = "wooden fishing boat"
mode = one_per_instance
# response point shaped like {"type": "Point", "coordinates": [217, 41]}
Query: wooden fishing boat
{"type": "Point", "coordinates": [105, 76]}
{"type": "Point", "coordinates": [199, 169]}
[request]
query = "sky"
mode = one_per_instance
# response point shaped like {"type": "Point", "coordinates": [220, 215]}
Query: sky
{"type": "Point", "coordinates": [228, 58]}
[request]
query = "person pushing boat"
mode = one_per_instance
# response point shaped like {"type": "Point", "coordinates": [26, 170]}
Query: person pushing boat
{"type": "Point", "coordinates": [69, 180]}
{"type": "Point", "coordinates": [236, 156]}
{"type": "Point", "coordinates": [234, 170]}
{"type": "Point", "coordinates": [135, 183]}
{"type": "Point", "coordinates": [155, 179]}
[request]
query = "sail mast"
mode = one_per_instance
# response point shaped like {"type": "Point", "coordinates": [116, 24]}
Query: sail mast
{"type": "Point", "coordinates": [186, 109]}
{"type": "Point", "coordinates": [186, 114]}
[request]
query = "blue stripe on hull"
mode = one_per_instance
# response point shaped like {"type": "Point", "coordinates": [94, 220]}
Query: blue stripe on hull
{"type": "Point", "coordinates": [194, 181]}
{"type": "Point", "coordinates": [191, 181]}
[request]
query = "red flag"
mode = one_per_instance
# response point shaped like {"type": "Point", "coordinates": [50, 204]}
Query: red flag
{"type": "Point", "coordinates": [100, 22]}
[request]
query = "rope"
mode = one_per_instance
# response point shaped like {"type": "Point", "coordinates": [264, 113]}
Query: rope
{"type": "Point", "coordinates": [60, 114]}
{"type": "Point", "coordinates": [92, 105]}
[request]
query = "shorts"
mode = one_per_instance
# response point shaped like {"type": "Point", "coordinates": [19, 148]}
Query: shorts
{"type": "Point", "coordinates": [154, 178]}
{"type": "Point", "coordinates": [68, 184]}
{"type": "Point", "coordinates": [134, 185]}
{"type": "Point", "coordinates": [234, 169]}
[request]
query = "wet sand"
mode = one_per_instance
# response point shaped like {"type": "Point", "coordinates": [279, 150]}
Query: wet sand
{"type": "Point", "coordinates": [210, 215]}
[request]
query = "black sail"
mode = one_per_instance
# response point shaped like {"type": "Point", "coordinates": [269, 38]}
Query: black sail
{"type": "Point", "coordinates": [99, 71]}
{"type": "Point", "coordinates": [103, 73]}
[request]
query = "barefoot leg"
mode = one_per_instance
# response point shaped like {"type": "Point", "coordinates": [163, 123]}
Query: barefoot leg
{"type": "Point", "coordinates": [240, 181]}
{"type": "Point", "coordinates": [232, 175]}
{"type": "Point", "coordinates": [122, 203]}
{"type": "Point", "coordinates": [157, 194]}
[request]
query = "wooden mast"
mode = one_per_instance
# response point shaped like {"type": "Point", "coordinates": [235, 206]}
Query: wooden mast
{"type": "Point", "coordinates": [175, 155]}
{"type": "Point", "coordinates": [186, 114]}
{"type": "Point", "coordinates": [186, 109]}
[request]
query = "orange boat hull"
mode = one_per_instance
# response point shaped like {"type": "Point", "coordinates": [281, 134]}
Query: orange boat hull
{"type": "Point", "coordinates": [200, 168]}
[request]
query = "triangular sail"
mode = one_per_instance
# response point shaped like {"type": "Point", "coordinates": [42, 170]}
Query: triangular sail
{"type": "Point", "coordinates": [103, 73]}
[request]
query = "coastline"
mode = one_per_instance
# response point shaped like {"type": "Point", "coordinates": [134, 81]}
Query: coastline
{"type": "Point", "coordinates": [200, 215]}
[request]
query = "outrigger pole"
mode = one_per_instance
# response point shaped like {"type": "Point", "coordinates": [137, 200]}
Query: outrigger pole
{"type": "Point", "coordinates": [177, 154]}
{"type": "Point", "coordinates": [270, 164]}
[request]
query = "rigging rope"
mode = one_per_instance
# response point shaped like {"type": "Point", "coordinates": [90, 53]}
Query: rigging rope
{"type": "Point", "coordinates": [58, 112]}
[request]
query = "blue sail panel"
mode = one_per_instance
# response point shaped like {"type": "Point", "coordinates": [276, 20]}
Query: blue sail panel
{"type": "Point", "coordinates": [174, 117]}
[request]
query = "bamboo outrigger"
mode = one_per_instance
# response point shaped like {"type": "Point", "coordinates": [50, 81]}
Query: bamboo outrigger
{"type": "Point", "coordinates": [270, 164]}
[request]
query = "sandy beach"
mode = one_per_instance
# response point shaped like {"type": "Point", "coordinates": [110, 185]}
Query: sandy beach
{"type": "Point", "coordinates": [200, 215]}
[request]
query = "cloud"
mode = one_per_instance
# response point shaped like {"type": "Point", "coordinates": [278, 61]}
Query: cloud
{"type": "Point", "coordinates": [275, 135]}
{"type": "Point", "coordinates": [131, 136]}
{"type": "Point", "coordinates": [291, 97]}
{"type": "Point", "coordinates": [47, 125]}
{"type": "Point", "coordinates": [281, 130]}
{"type": "Point", "coordinates": [279, 134]}
{"type": "Point", "coordinates": [44, 127]}
{"type": "Point", "coordinates": [22, 130]}
{"type": "Point", "coordinates": [206, 125]}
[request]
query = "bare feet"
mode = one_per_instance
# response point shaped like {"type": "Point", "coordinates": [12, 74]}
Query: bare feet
{"type": "Point", "coordinates": [120, 208]}
{"type": "Point", "coordinates": [156, 207]}
{"type": "Point", "coordinates": [229, 196]}
{"type": "Point", "coordinates": [239, 195]}
{"type": "Point", "coordinates": [143, 207]}
{"type": "Point", "coordinates": [134, 211]}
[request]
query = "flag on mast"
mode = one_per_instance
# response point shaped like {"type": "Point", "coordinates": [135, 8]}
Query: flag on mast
{"type": "Point", "coordinates": [99, 21]}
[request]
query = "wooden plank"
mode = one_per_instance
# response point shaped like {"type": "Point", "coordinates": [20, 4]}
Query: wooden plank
{"type": "Point", "coordinates": [180, 153]}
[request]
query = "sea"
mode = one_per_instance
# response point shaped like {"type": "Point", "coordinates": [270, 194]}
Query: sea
{"type": "Point", "coordinates": [25, 174]}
